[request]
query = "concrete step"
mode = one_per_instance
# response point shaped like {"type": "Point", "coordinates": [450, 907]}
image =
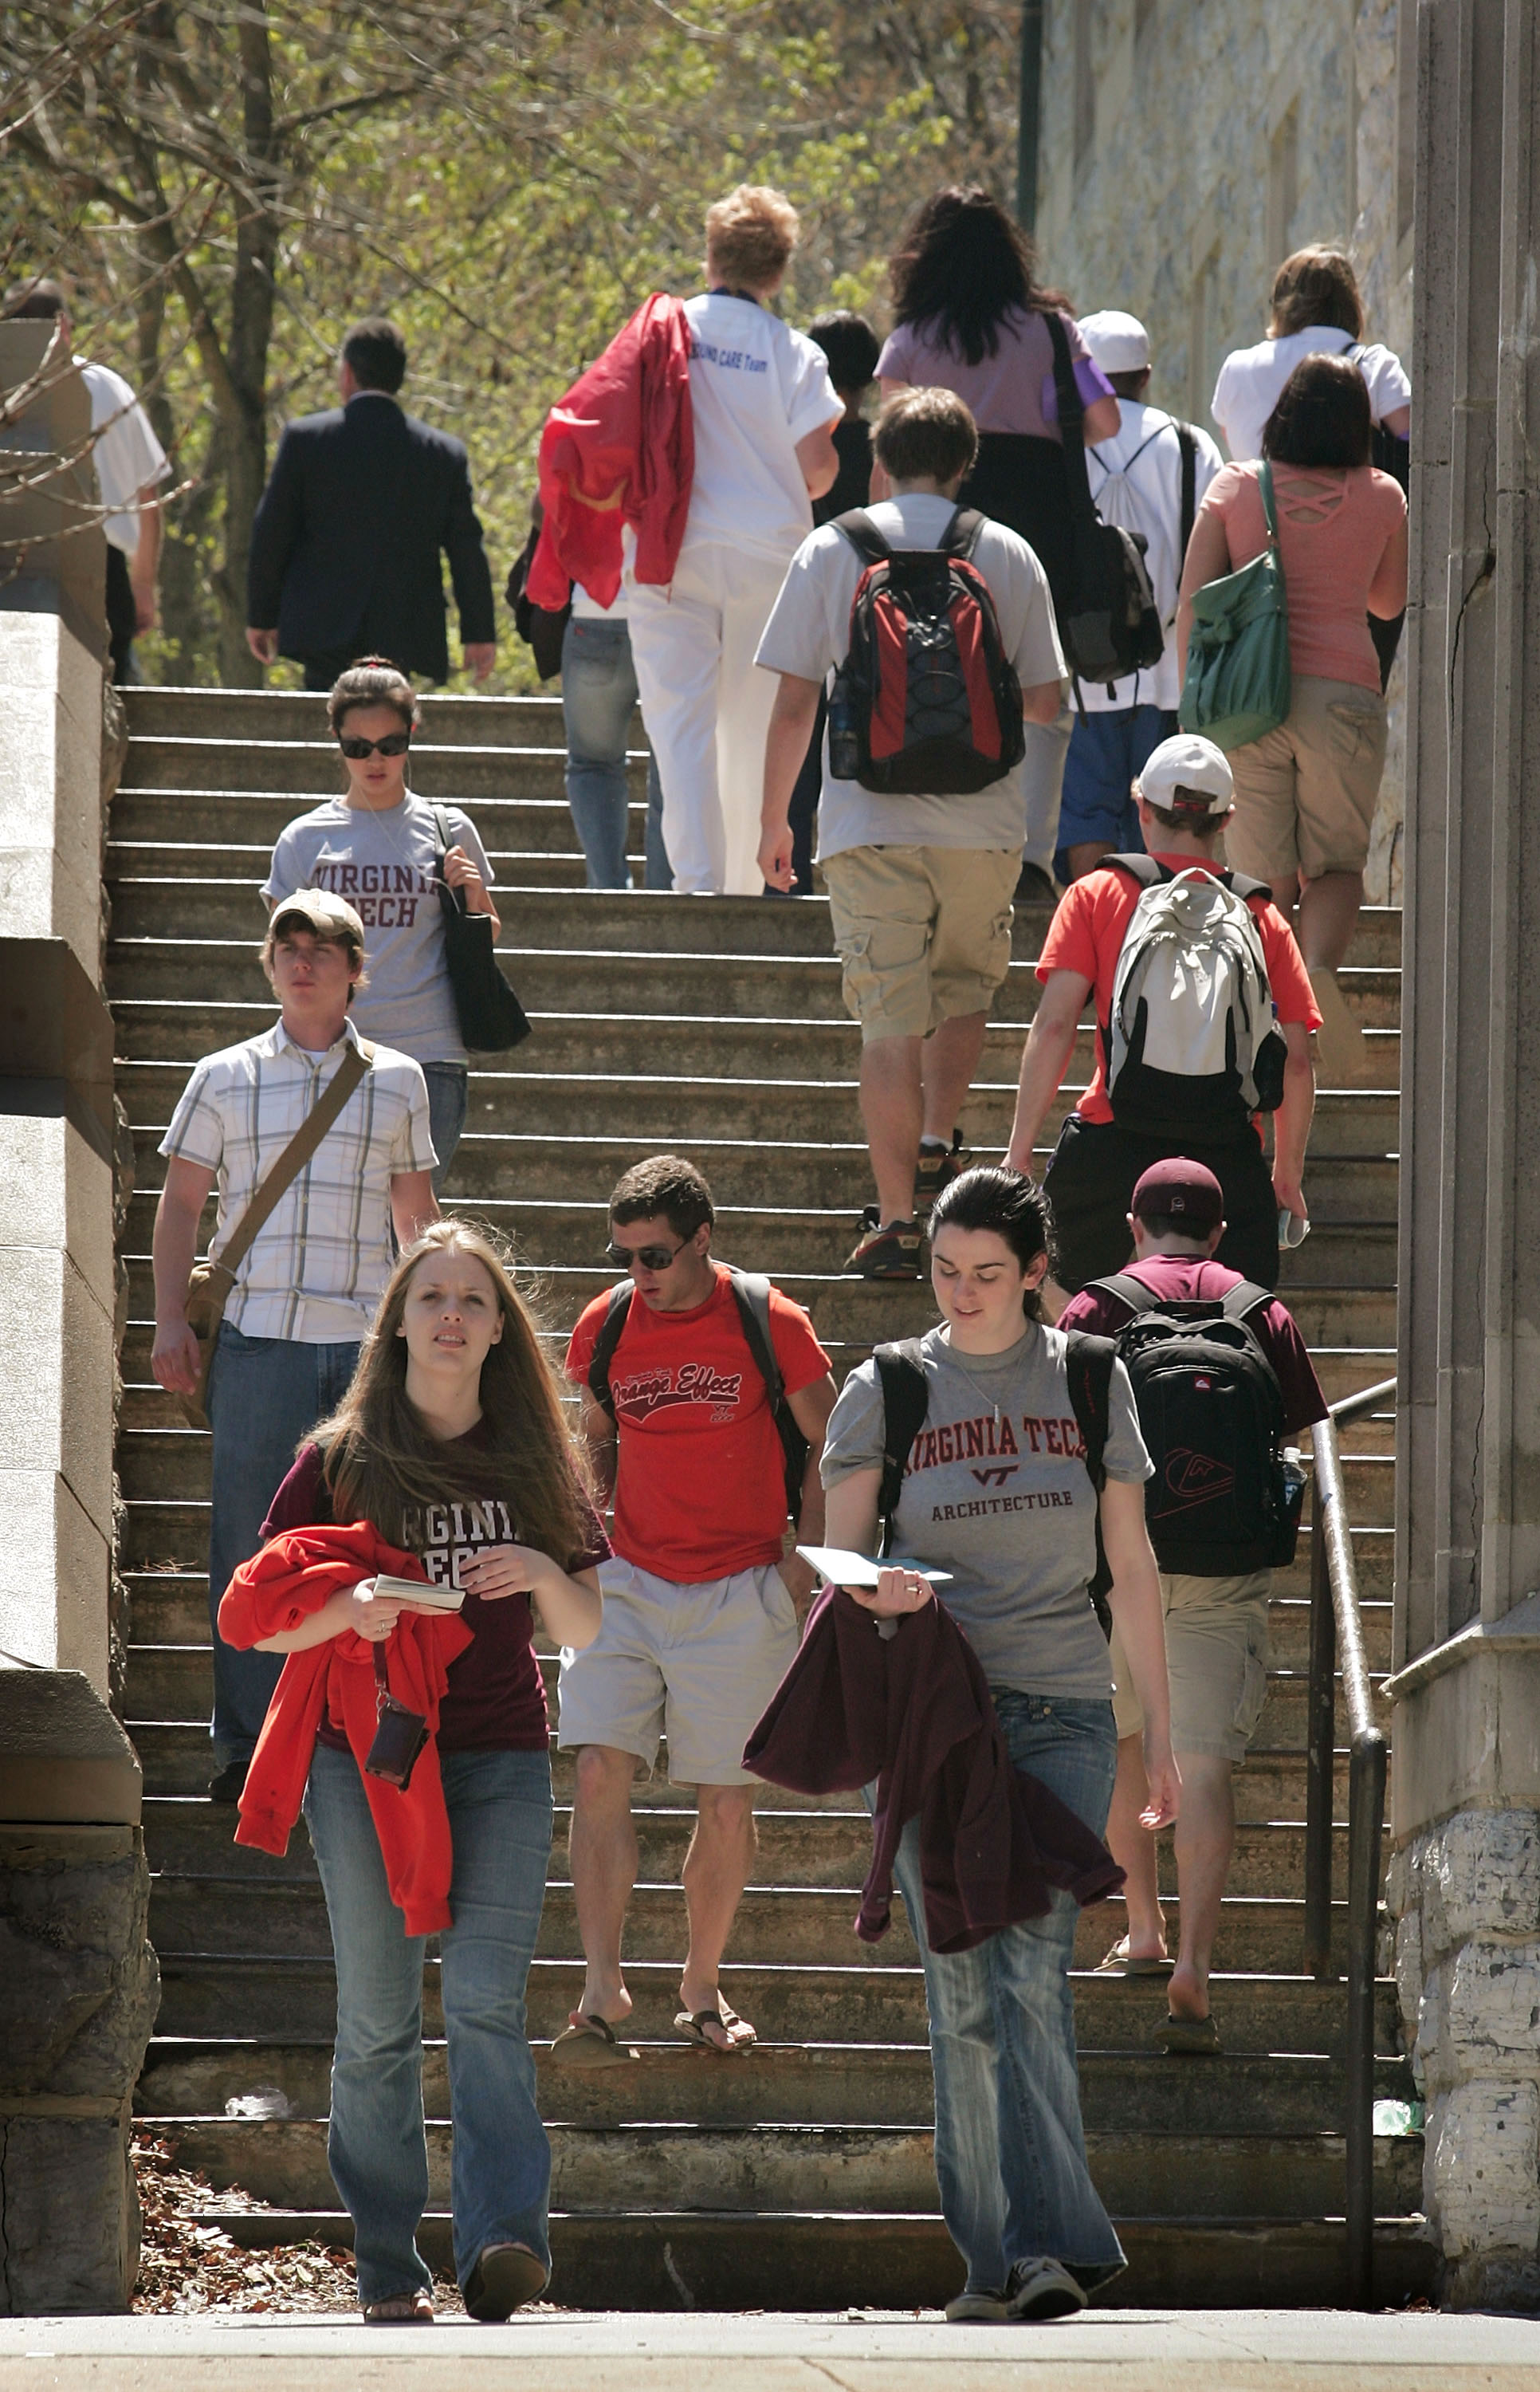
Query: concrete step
{"type": "Point", "coordinates": [310, 771]}
{"type": "Point", "coordinates": [781, 1924]}
{"type": "Point", "coordinates": [823, 2260]}
{"type": "Point", "coordinates": [656, 1111]}
{"type": "Point", "coordinates": [284, 1995]}
{"type": "Point", "coordinates": [243, 714]}
{"type": "Point", "coordinates": [790, 2084]}
{"type": "Point", "coordinates": [175, 1754]}
{"type": "Point", "coordinates": [755, 2168]}
{"type": "Point", "coordinates": [188, 1836]}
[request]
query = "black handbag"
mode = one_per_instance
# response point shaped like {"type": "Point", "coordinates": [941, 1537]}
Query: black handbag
{"type": "Point", "coordinates": [399, 1734]}
{"type": "Point", "coordinates": [491, 1019]}
{"type": "Point", "coordinates": [542, 628]}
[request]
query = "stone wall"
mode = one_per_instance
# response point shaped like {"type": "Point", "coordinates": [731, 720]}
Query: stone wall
{"type": "Point", "coordinates": [1183, 151]}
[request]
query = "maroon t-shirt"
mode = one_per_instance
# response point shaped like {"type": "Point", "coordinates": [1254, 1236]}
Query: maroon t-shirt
{"type": "Point", "coordinates": [1183, 1279]}
{"type": "Point", "coordinates": [496, 1699]}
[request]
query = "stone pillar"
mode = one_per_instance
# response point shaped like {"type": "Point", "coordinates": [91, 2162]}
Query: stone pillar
{"type": "Point", "coordinates": [79, 1990]}
{"type": "Point", "coordinates": [1465, 1881]}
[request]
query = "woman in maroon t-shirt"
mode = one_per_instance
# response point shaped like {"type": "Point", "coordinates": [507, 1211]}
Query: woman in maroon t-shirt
{"type": "Point", "coordinates": [453, 1444]}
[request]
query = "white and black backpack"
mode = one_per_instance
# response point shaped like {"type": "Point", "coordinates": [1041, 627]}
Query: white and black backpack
{"type": "Point", "coordinates": [1191, 1043]}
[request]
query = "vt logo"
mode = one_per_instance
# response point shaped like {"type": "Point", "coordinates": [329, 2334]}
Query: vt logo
{"type": "Point", "coordinates": [995, 1477]}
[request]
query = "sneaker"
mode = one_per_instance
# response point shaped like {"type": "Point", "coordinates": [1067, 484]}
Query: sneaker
{"type": "Point", "coordinates": [937, 1167]}
{"type": "Point", "coordinates": [890, 1251]}
{"type": "Point", "coordinates": [1041, 2289]}
{"type": "Point", "coordinates": [228, 1784]}
{"type": "Point", "coordinates": [978, 2308]}
{"type": "Point", "coordinates": [1034, 888]}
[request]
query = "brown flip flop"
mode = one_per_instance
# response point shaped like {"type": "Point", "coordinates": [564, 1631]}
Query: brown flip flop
{"type": "Point", "coordinates": [692, 2025]}
{"type": "Point", "coordinates": [1195, 2038]}
{"type": "Point", "coordinates": [593, 2043]}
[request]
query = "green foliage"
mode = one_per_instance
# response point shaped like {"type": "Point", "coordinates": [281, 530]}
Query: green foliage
{"type": "Point", "coordinates": [508, 181]}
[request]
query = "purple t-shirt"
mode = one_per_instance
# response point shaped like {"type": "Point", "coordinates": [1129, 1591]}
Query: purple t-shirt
{"type": "Point", "coordinates": [1186, 1279]}
{"type": "Point", "coordinates": [1013, 390]}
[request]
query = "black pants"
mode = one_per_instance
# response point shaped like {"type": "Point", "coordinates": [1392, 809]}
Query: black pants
{"type": "Point", "coordinates": [123, 616]}
{"type": "Point", "coordinates": [803, 810]}
{"type": "Point", "coordinates": [1090, 1184]}
{"type": "Point", "coordinates": [1019, 481]}
{"type": "Point", "coordinates": [321, 672]}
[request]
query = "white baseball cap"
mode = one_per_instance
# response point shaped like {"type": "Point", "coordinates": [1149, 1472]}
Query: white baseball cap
{"type": "Point", "coordinates": [1117, 342]}
{"type": "Point", "coordinates": [1188, 775]}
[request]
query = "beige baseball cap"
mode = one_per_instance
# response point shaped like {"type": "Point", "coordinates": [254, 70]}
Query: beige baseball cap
{"type": "Point", "coordinates": [1188, 775]}
{"type": "Point", "coordinates": [330, 916]}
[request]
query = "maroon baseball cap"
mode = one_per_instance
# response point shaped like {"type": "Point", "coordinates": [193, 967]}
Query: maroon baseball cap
{"type": "Point", "coordinates": [1186, 1190]}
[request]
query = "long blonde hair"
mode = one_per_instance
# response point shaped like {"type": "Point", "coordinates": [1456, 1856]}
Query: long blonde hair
{"type": "Point", "coordinates": [382, 1465]}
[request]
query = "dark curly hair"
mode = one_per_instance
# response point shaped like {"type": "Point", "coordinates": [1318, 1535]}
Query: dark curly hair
{"type": "Point", "coordinates": [991, 1196]}
{"type": "Point", "coordinates": [960, 266]}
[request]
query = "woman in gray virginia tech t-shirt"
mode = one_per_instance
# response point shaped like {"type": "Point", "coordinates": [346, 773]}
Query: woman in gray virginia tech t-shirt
{"type": "Point", "coordinates": [997, 1492]}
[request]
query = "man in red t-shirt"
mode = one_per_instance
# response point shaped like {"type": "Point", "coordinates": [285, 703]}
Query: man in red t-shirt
{"type": "Point", "coordinates": [1216, 1628]}
{"type": "Point", "coordinates": [701, 1612]}
{"type": "Point", "coordinates": [1186, 795]}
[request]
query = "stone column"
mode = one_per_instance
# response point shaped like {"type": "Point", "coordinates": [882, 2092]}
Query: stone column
{"type": "Point", "coordinates": [1465, 1881]}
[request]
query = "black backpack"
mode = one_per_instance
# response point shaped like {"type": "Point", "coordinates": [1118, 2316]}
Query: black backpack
{"type": "Point", "coordinates": [1223, 1499]}
{"type": "Point", "coordinates": [926, 702]}
{"type": "Point", "coordinates": [751, 1294]}
{"type": "Point", "coordinates": [906, 1400]}
{"type": "Point", "coordinates": [1110, 625]}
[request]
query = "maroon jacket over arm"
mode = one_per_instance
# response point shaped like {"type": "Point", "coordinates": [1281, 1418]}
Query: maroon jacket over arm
{"type": "Point", "coordinates": [913, 1711]}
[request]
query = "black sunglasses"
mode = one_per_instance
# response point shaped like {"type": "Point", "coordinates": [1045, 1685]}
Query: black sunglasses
{"type": "Point", "coordinates": [652, 1258]}
{"type": "Point", "coordinates": [395, 745]}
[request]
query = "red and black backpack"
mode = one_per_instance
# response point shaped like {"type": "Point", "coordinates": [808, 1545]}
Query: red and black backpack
{"type": "Point", "coordinates": [927, 703]}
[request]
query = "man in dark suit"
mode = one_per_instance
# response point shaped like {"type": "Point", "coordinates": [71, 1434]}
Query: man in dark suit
{"type": "Point", "coordinates": [346, 544]}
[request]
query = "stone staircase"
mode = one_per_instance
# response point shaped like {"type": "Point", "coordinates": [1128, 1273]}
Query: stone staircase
{"type": "Point", "coordinates": [800, 2177]}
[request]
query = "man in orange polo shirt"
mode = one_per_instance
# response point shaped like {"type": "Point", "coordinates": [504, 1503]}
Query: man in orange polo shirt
{"type": "Point", "coordinates": [1185, 797]}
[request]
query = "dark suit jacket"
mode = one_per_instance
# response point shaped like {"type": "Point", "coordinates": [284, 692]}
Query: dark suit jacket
{"type": "Point", "coordinates": [345, 544]}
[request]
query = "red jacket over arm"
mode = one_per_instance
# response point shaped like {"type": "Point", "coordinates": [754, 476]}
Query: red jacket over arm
{"type": "Point", "coordinates": [618, 448]}
{"type": "Point", "coordinates": [292, 1577]}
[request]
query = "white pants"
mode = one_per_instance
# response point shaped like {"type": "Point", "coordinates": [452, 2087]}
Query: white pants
{"type": "Point", "coordinates": [706, 705]}
{"type": "Point", "coordinates": [1042, 774]}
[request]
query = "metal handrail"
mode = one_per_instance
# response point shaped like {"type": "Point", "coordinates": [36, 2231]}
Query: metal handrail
{"type": "Point", "coordinates": [1335, 1626]}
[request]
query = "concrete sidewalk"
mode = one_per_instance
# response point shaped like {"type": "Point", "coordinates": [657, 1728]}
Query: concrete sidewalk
{"type": "Point", "coordinates": [1271, 2350]}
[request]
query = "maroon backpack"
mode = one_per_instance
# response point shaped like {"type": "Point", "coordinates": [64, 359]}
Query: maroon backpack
{"type": "Point", "coordinates": [927, 703]}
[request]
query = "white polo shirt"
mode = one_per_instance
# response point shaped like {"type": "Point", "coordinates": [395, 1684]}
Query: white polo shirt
{"type": "Point", "coordinates": [126, 454]}
{"type": "Point", "coordinates": [1250, 381]}
{"type": "Point", "coordinates": [1136, 481]}
{"type": "Point", "coordinates": [317, 1267]}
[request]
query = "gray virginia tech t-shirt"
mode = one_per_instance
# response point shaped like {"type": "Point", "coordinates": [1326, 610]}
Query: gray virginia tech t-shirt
{"type": "Point", "coordinates": [997, 1492]}
{"type": "Point", "coordinates": [382, 861]}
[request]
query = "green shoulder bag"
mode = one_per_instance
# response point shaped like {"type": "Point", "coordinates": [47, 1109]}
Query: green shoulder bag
{"type": "Point", "coordinates": [1238, 684]}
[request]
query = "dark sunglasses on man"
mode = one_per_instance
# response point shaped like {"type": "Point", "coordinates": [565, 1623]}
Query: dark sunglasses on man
{"type": "Point", "coordinates": [652, 1258]}
{"type": "Point", "coordinates": [395, 744]}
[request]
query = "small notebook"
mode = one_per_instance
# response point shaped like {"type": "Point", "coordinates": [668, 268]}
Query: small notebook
{"type": "Point", "coordinates": [854, 1569]}
{"type": "Point", "coordinates": [418, 1591]}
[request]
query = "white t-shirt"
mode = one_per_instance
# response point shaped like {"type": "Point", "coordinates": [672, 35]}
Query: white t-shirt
{"type": "Point", "coordinates": [383, 860]}
{"type": "Point", "coordinates": [809, 633]}
{"type": "Point", "coordinates": [128, 457]}
{"type": "Point", "coordinates": [756, 389]}
{"type": "Point", "coordinates": [588, 610]}
{"type": "Point", "coordinates": [1250, 381]}
{"type": "Point", "coordinates": [1136, 481]}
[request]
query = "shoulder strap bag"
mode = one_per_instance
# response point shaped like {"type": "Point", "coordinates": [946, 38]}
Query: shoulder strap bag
{"type": "Point", "coordinates": [491, 1019]}
{"type": "Point", "coordinates": [1240, 682]}
{"type": "Point", "coordinates": [210, 1283]}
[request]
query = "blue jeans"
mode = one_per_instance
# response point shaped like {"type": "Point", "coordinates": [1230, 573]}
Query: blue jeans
{"type": "Point", "coordinates": [1010, 2150]}
{"type": "Point", "coordinates": [447, 1086]}
{"type": "Point", "coordinates": [598, 693]}
{"type": "Point", "coordinates": [1107, 751]}
{"type": "Point", "coordinates": [500, 1822]}
{"type": "Point", "coordinates": [264, 1394]}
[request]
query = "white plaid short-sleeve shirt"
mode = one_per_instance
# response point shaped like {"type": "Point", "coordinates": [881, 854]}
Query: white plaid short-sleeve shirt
{"type": "Point", "coordinates": [319, 1265]}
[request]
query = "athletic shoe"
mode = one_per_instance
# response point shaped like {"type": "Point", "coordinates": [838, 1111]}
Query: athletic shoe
{"type": "Point", "coordinates": [978, 2308]}
{"type": "Point", "coordinates": [229, 1784]}
{"type": "Point", "coordinates": [935, 1169]}
{"type": "Point", "coordinates": [891, 1251]}
{"type": "Point", "coordinates": [1041, 2289]}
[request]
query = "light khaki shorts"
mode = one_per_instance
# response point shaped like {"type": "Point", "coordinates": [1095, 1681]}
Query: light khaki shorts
{"type": "Point", "coordinates": [696, 1663]}
{"type": "Point", "coordinates": [924, 932]}
{"type": "Point", "coordinates": [1216, 1659]}
{"type": "Point", "coordinates": [1305, 794]}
